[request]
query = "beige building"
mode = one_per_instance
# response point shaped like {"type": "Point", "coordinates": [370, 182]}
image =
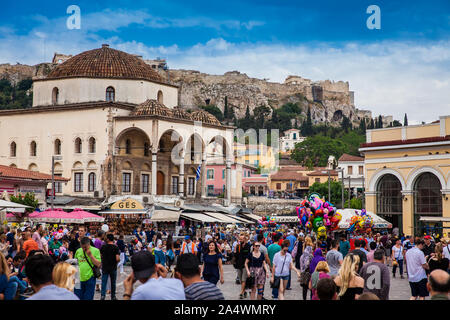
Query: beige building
{"type": "Point", "coordinates": [407, 175]}
{"type": "Point", "coordinates": [115, 125]}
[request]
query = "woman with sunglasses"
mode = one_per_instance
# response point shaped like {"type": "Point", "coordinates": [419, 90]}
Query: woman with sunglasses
{"type": "Point", "coordinates": [281, 267]}
{"type": "Point", "coordinates": [257, 267]}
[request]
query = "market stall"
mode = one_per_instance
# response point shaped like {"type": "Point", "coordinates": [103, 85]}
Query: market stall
{"type": "Point", "coordinates": [348, 214]}
{"type": "Point", "coordinates": [125, 215]}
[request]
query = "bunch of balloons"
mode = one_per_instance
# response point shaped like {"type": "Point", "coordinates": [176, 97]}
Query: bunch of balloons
{"type": "Point", "coordinates": [318, 215]}
{"type": "Point", "coordinates": [267, 221]}
{"type": "Point", "coordinates": [360, 221]}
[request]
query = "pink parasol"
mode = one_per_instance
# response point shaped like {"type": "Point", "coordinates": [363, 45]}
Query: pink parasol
{"type": "Point", "coordinates": [60, 216]}
{"type": "Point", "coordinates": [85, 216]}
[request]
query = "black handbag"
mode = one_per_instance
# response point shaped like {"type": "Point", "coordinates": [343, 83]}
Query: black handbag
{"type": "Point", "coordinates": [250, 281]}
{"type": "Point", "coordinates": [95, 270]}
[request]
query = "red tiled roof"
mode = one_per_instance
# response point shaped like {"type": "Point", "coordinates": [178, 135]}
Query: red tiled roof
{"type": "Point", "coordinates": [288, 175]}
{"type": "Point", "coordinates": [320, 173]}
{"type": "Point", "coordinates": [105, 63]}
{"type": "Point", "coordinates": [11, 172]}
{"type": "Point", "coordinates": [407, 141]}
{"type": "Point", "coordinates": [349, 157]}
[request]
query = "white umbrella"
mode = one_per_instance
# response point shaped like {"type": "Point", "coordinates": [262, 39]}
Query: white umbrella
{"type": "Point", "coordinates": [8, 204]}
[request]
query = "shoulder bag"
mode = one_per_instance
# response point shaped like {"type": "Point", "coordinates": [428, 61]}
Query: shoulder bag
{"type": "Point", "coordinates": [95, 270]}
{"type": "Point", "coordinates": [276, 281]}
{"type": "Point", "coordinates": [250, 281]}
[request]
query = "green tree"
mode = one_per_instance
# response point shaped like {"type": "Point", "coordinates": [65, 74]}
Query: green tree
{"type": "Point", "coordinates": [405, 120]}
{"type": "Point", "coordinates": [28, 200]}
{"type": "Point", "coordinates": [226, 112]}
{"type": "Point", "coordinates": [372, 124]}
{"type": "Point", "coordinates": [362, 126]}
{"type": "Point", "coordinates": [380, 121]}
{"type": "Point", "coordinates": [307, 127]}
{"type": "Point", "coordinates": [352, 140]}
{"type": "Point", "coordinates": [317, 149]}
{"type": "Point", "coordinates": [335, 191]}
{"type": "Point", "coordinates": [215, 111]}
{"type": "Point", "coordinates": [346, 124]}
{"type": "Point", "coordinates": [355, 203]}
{"type": "Point", "coordinates": [260, 115]}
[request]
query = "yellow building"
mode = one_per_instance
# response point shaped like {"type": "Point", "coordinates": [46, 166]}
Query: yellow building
{"type": "Point", "coordinates": [258, 155]}
{"type": "Point", "coordinates": [407, 175]}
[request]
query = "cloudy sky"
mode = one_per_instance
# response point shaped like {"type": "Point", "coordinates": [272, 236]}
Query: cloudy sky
{"type": "Point", "coordinates": [404, 67]}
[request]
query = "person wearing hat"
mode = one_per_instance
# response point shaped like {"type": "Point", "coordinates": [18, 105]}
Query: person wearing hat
{"type": "Point", "coordinates": [152, 276]}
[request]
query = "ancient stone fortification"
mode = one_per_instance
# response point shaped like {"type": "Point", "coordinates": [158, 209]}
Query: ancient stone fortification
{"type": "Point", "coordinates": [329, 101]}
{"type": "Point", "coordinates": [263, 206]}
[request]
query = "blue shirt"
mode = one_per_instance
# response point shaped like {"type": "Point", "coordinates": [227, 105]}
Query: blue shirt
{"type": "Point", "coordinates": [53, 292]}
{"type": "Point", "coordinates": [291, 239]}
{"type": "Point", "coordinates": [160, 289]}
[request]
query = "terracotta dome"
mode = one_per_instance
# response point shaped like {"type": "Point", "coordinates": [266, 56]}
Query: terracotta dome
{"type": "Point", "coordinates": [204, 116]}
{"type": "Point", "coordinates": [105, 63]}
{"type": "Point", "coordinates": [152, 107]}
{"type": "Point", "coordinates": [180, 113]}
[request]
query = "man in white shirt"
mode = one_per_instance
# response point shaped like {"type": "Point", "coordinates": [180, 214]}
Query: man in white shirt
{"type": "Point", "coordinates": [416, 266]}
{"type": "Point", "coordinates": [446, 250]}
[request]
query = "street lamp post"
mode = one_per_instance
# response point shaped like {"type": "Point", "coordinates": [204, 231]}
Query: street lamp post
{"type": "Point", "coordinates": [349, 189]}
{"type": "Point", "coordinates": [341, 170]}
{"type": "Point", "coordinates": [53, 178]}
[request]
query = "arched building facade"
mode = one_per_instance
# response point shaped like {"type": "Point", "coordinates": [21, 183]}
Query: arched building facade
{"type": "Point", "coordinates": [408, 176]}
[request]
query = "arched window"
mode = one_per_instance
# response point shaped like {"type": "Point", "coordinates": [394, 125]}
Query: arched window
{"type": "Point", "coordinates": [57, 146]}
{"type": "Point", "coordinates": [160, 97]}
{"type": "Point", "coordinates": [428, 194]}
{"type": "Point", "coordinates": [13, 149]}
{"type": "Point", "coordinates": [389, 195]}
{"type": "Point", "coordinates": [78, 145]}
{"type": "Point", "coordinates": [128, 146]}
{"type": "Point", "coordinates": [110, 94]}
{"type": "Point", "coordinates": [33, 149]}
{"type": "Point", "coordinates": [55, 95]}
{"type": "Point", "coordinates": [91, 182]}
{"type": "Point", "coordinates": [91, 145]}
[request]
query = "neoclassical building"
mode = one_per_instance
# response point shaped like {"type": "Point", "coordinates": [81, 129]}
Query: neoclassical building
{"type": "Point", "coordinates": [115, 128]}
{"type": "Point", "coordinates": [407, 175]}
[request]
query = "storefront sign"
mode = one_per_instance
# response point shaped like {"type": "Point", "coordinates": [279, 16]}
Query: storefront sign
{"type": "Point", "coordinates": [129, 204]}
{"type": "Point", "coordinates": [281, 219]}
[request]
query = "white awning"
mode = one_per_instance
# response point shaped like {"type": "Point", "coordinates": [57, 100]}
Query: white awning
{"type": "Point", "coordinates": [165, 216]}
{"type": "Point", "coordinates": [435, 219]}
{"type": "Point", "coordinates": [347, 214]}
{"type": "Point", "coordinates": [199, 217]}
{"type": "Point", "coordinates": [251, 216]}
{"type": "Point", "coordinates": [224, 217]}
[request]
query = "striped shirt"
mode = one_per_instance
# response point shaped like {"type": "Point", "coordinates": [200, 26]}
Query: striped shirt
{"type": "Point", "coordinates": [203, 290]}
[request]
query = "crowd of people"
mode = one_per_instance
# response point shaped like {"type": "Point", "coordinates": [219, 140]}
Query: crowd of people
{"type": "Point", "coordinates": [67, 263]}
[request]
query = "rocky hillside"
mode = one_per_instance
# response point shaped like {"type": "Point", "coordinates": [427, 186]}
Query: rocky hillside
{"type": "Point", "coordinates": [329, 100]}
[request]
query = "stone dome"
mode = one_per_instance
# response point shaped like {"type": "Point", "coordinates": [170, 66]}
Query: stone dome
{"type": "Point", "coordinates": [105, 63]}
{"type": "Point", "coordinates": [152, 107]}
{"type": "Point", "coordinates": [204, 116]}
{"type": "Point", "coordinates": [180, 113]}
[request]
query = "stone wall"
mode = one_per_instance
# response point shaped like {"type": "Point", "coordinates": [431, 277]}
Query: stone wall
{"type": "Point", "coordinates": [263, 206]}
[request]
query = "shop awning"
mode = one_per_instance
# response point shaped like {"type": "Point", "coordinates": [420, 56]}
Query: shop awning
{"type": "Point", "coordinates": [124, 211]}
{"type": "Point", "coordinates": [347, 214]}
{"type": "Point", "coordinates": [435, 219]}
{"type": "Point", "coordinates": [224, 217]}
{"type": "Point", "coordinates": [248, 221]}
{"type": "Point", "coordinates": [251, 216]}
{"type": "Point", "coordinates": [165, 216]}
{"type": "Point", "coordinates": [199, 217]}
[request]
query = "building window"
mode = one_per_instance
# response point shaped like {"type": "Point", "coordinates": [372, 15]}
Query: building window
{"type": "Point", "coordinates": [57, 150]}
{"type": "Point", "coordinates": [126, 182]}
{"type": "Point", "coordinates": [55, 96]}
{"type": "Point", "coordinates": [33, 149]}
{"type": "Point", "coordinates": [78, 187]}
{"type": "Point", "coordinates": [210, 190]}
{"type": "Point", "coordinates": [223, 173]}
{"type": "Point", "coordinates": [428, 194]}
{"type": "Point", "coordinates": [174, 185]}
{"type": "Point", "coordinates": [58, 185]}
{"type": "Point", "coordinates": [317, 180]}
{"type": "Point", "coordinates": [110, 94]}
{"type": "Point", "coordinates": [350, 170]}
{"type": "Point", "coordinates": [295, 136]}
{"type": "Point", "coordinates": [278, 186]}
{"type": "Point", "coordinates": [191, 186]}
{"type": "Point", "coordinates": [160, 97]}
{"type": "Point", "coordinates": [91, 182]}
{"type": "Point", "coordinates": [145, 183]}
{"type": "Point", "coordinates": [12, 149]}
{"type": "Point", "coordinates": [210, 174]}
{"type": "Point", "coordinates": [78, 145]}
{"type": "Point", "coordinates": [92, 145]}
{"type": "Point", "coordinates": [389, 197]}
{"type": "Point", "coordinates": [128, 146]}
{"type": "Point", "coordinates": [361, 170]}
{"type": "Point", "coordinates": [146, 149]}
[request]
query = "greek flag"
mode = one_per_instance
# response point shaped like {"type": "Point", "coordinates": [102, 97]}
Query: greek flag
{"type": "Point", "coordinates": [198, 172]}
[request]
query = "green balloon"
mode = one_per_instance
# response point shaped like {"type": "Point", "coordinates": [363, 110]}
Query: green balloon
{"type": "Point", "coordinates": [317, 222]}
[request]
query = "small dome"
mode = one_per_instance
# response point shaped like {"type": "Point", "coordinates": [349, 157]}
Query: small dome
{"type": "Point", "coordinates": [105, 63]}
{"type": "Point", "coordinates": [180, 113]}
{"type": "Point", "coordinates": [152, 107]}
{"type": "Point", "coordinates": [204, 116]}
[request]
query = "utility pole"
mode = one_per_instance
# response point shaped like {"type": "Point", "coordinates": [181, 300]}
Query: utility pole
{"type": "Point", "coordinates": [342, 188]}
{"type": "Point", "coordinates": [329, 187]}
{"type": "Point", "coordinates": [53, 179]}
{"type": "Point", "coordinates": [363, 193]}
{"type": "Point", "coordinates": [349, 190]}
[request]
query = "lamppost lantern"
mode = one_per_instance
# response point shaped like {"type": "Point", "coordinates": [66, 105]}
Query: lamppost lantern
{"type": "Point", "coordinates": [52, 195]}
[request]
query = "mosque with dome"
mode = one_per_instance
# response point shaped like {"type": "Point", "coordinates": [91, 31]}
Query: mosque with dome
{"type": "Point", "coordinates": [114, 127]}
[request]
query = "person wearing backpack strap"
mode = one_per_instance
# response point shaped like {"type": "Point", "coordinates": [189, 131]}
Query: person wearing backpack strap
{"type": "Point", "coordinates": [89, 258]}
